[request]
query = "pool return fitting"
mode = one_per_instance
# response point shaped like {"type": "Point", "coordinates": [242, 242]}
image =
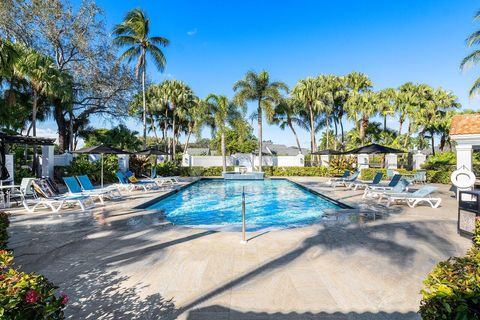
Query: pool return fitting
{"type": "Point", "coordinates": [244, 240]}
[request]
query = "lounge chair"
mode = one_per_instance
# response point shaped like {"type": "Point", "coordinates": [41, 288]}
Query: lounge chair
{"type": "Point", "coordinates": [345, 175]}
{"type": "Point", "coordinates": [87, 185]}
{"type": "Point", "coordinates": [379, 187]}
{"type": "Point", "coordinates": [159, 180]}
{"type": "Point", "coordinates": [46, 197]}
{"type": "Point", "coordinates": [133, 184]}
{"type": "Point", "coordinates": [414, 198]}
{"type": "Point", "coordinates": [74, 188]}
{"type": "Point", "coordinates": [346, 181]}
{"type": "Point", "coordinates": [376, 180]}
{"type": "Point", "coordinates": [420, 177]}
{"type": "Point", "coordinates": [400, 187]}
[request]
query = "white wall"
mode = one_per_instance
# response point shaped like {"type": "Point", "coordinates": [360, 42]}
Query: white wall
{"type": "Point", "coordinates": [216, 161]}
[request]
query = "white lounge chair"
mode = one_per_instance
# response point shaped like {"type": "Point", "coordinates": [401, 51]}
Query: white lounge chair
{"type": "Point", "coordinates": [372, 191]}
{"type": "Point", "coordinates": [125, 184]}
{"type": "Point", "coordinates": [414, 198]}
{"type": "Point", "coordinates": [345, 175]}
{"type": "Point", "coordinates": [376, 180]}
{"type": "Point", "coordinates": [346, 181]}
{"type": "Point", "coordinates": [46, 198]}
{"type": "Point", "coordinates": [74, 188]}
{"type": "Point", "coordinates": [87, 185]}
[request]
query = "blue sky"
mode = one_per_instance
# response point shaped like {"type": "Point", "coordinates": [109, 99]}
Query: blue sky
{"type": "Point", "coordinates": [213, 43]}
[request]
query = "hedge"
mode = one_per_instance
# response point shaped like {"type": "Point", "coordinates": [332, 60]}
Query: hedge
{"type": "Point", "coordinates": [296, 171]}
{"type": "Point", "coordinates": [433, 176]}
{"type": "Point", "coordinates": [4, 223]}
{"type": "Point", "coordinates": [452, 289]}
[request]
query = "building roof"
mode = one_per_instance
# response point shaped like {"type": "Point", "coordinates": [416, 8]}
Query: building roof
{"type": "Point", "coordinates": [465, 124]}
{"type": "Point", "coordinates": [281, 149]}
{"type": "Point", "coordinates": [8, 139]}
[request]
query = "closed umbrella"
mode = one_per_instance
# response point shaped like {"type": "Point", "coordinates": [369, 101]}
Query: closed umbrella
{"type": "Point", "coordinates": [101, 150]}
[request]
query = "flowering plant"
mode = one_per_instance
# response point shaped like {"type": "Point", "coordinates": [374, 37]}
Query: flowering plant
{"type": "Point", "coordinates": [27, 295]}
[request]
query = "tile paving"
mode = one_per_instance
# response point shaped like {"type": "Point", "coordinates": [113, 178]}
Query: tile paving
{"type": "Point", "coordinates": [117, 262]}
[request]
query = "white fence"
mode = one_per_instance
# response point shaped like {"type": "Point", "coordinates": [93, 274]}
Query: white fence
{"type": "Point", "coordinates": [244, 160]}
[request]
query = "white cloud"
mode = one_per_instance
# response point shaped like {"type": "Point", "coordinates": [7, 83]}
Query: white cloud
{"type": "Point", "coordinates": [192, 32]}
{"type": "Point", "coordinates": [47, 133]}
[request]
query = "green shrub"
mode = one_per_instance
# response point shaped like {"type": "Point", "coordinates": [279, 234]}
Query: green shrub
{"type": "Point", "coordinates": [439, 176]}
{"type": "Point", "coordinates": [296, 171]}
{"type": "Point", "coordinates": [4, 223]}
{"type": "Point", "coordinates": [21, 173]}
{"type": "Point", "coordinates": [82, 166]}
{"type": "Point", "coordinates": [27, 295]}
{"type": "Point", "coordinates": [368, 174]}
{"type": "Point", "coordinates": [441, 161]}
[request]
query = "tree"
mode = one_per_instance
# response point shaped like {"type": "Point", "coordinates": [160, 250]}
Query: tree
{"type": "Point", "coordinates": [118, 137]}
{"type": "Point", "coordinates": [386, 104]}
{"type": "Point", "coordinates": [238, 139]}
{"type": "Point", "coordinates": [75, 38]}
{"type": "Point", "coordinates": [224, 112]}
{"type": "Point", "coordinates": [307, 92]}
{"type": "Point", "coordinates": [179, 96]}
{"type": "Point", "coordinates": [258, 88]}
{"type": "Point", "coordinates": [360, 107]}
{"type": "Point", "coordinates": [134, 32]}
{"type": "Point", "coordinates": [285, 115]}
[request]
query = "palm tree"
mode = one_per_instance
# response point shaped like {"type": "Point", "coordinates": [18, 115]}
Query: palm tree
{"type": "Point", "coordinates": [307, 92]}
{"type": "Point", "coordinates": [474, 57]}
{"type": "Point", "coordinates": [285, 115]}
{"type": "Point", "coordinates": [178, 95]}
{"type": "Point", "coordinates": [224, 112]}
{"type": "Point", "coordinates": [134, 32]}
{"type": "Point", "coordinates": [258, 88]}
{"type": "Point", "coordinates": [386, 104]}
{"type": "Point", "coordinates": [8, 57]}
{"type": "Point", "coordinates": [360, 108]}
{"type": "Point", "coordinates": [194, 117]}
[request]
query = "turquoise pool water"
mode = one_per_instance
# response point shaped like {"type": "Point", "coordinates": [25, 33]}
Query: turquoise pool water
{"type": "Point", "coordinates": [270, 204]}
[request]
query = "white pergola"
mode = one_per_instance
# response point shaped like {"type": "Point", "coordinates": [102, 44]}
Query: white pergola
{"type": "Point", "coordinates": [465, 131]}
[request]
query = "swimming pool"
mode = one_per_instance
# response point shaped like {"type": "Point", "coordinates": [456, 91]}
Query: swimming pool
{"type": "Point", "coordinates": [270, 204]}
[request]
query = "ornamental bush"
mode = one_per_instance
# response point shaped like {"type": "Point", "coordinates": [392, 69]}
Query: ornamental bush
{"type": "Point", "coordinates": [452, 289]}
{"type": "Point", "coordinates": [82, 166]}
{"type": "Point", "coordinates": [27, 295]}
{"type": "Point", "coordinates": [4, 223]}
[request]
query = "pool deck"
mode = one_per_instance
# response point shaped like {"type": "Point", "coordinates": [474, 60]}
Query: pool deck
{"type": "Point", "coordinates": [117, 262]}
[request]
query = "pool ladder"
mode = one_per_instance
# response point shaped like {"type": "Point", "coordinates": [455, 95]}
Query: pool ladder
{"type": "Point", "coordinates": [244, 222]}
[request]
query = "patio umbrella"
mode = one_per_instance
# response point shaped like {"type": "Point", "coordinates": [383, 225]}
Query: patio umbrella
{"type": "Point", "coordinates": [327, 152]}
{"type": "Point", "coordinates": [373, 149]}
{"type": "Point", "coordinates": [101, 149]}
{"type": "Point", "coordinates": [152, 151]}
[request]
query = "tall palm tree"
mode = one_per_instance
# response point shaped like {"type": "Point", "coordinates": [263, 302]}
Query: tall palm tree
{"type": "Point", "coordinates": [386, 104]}
{"type": "Point", "coordinates": [224, 112]}
{"type": "Point", "coordinates": [258, 88]}
{"type": "Point", "coordinates": [195, 118]}
{"type": "Point", "coordinates": [360, 108]}
{"type": "Point", "coordinates": [285, 115]}
{"type": "Point", "coordinates": [474, 57]}
{"type": "Point", "coordinates": [134, 33]}
{"type": "Point", "coordinates": [178, 95]}
{"type": "Point", "coordinates": [308, 93]}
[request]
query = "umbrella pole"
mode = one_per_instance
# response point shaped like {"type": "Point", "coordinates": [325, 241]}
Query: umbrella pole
{"type": "Point", "coordinates": [101, 155]}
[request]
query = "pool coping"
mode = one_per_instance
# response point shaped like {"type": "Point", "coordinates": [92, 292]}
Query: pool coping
{"type": "Point", "coordinates": [150, 202]}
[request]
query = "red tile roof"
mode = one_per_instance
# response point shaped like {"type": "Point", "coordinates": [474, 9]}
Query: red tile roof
{"type": "Point", "coordinates": [465, 124]}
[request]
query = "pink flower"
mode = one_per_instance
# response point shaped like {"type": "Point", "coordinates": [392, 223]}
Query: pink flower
{"type": "Point", "coordinates": [32, 296]}
{"type": "Point", "coordinates": [64, 297]}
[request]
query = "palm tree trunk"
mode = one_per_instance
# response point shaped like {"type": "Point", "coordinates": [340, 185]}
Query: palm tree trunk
{"type": "Point", "coordinates": [408, 135]}
{"type": "Point", "coordinates": [342, 131]}
{"type": "Point", "coordinates": [336, 133]}
{"type": "Point", "coordinates": [385, 123]}
{"type": "Point", "coordinates": [224, 153]}
{"type": "Point", "coordinates": [363, 129]}
{"type": "Point", "coordinates": [433, 143]}
{"type": "Point", "coordinates": [296, 136]}
{"type": "Point", "coordinates": [185, 147]}
{"type": "Point", "coordinates": [34, 131]}
{"type": "Point", "coordinates": [328, 127]}
{"type": "Point", "coordinates": [400, 127]}
{"type": "Point", "coordinates": [260, 138]}
{"type": "Point", "coordinates": [71, 131]}
{"type": "Point", "coordinates": [173, 130]}
{"type": "Point", "coordinates": [144, 109]}
{"type": "Point", "coordinates": [154, 128]}
{"type": "Point", "coordinates": [312, 130]}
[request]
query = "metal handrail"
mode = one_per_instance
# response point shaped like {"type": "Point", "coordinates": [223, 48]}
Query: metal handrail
{"type": "Point", "coordinates": [244, 218]}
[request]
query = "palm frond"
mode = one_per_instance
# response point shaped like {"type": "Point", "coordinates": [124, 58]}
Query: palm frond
{"type": "Point", "coordinates": [158, 57]}
{"type": "Point", "coordinates": [470, 60]}
{"type": "Point", "coordinates": [160, 41]}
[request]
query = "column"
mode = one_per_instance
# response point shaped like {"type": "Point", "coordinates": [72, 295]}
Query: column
{"type": "Point", "coordinates": [48, 161]}
{"type": "Point", "coordinates": [325, 160]}
{"type": "Point", "coordinates": [464, 156]}
{"type": "Point", "coordinates": [418, 159]}
{"type": "Point", "coordinates": [363, 161]}
{"type": "Point", "coordinates": [301, 159]}
{"type": "Point", "coordinates": [186, 160]}
{"type": "Point", "coordinates": [391, 161]}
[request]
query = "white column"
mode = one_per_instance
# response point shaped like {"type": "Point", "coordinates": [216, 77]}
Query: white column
{"type": "Point", "coordinates": [301, 160]}
{"type": "Point", "coordinates": [9, 164]}
{"type": "Point", "coordinates": [418, 159]}
{"type": "Point", "coordinates": [48, 161]}
{"type": "Point", "coordinates": [391, 161]}
{"type": "Point", "coordinates": [464, 156]}
{"type": "Point", "coordinates": [186, 160]}
{"type": "Point", "coordinates": [325, 160]}
{"type": "Point", "coordinates": [363, 161]}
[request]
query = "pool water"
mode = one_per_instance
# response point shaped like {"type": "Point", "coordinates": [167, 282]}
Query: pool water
{"type": "Point", "coordinates": [270, 204]}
